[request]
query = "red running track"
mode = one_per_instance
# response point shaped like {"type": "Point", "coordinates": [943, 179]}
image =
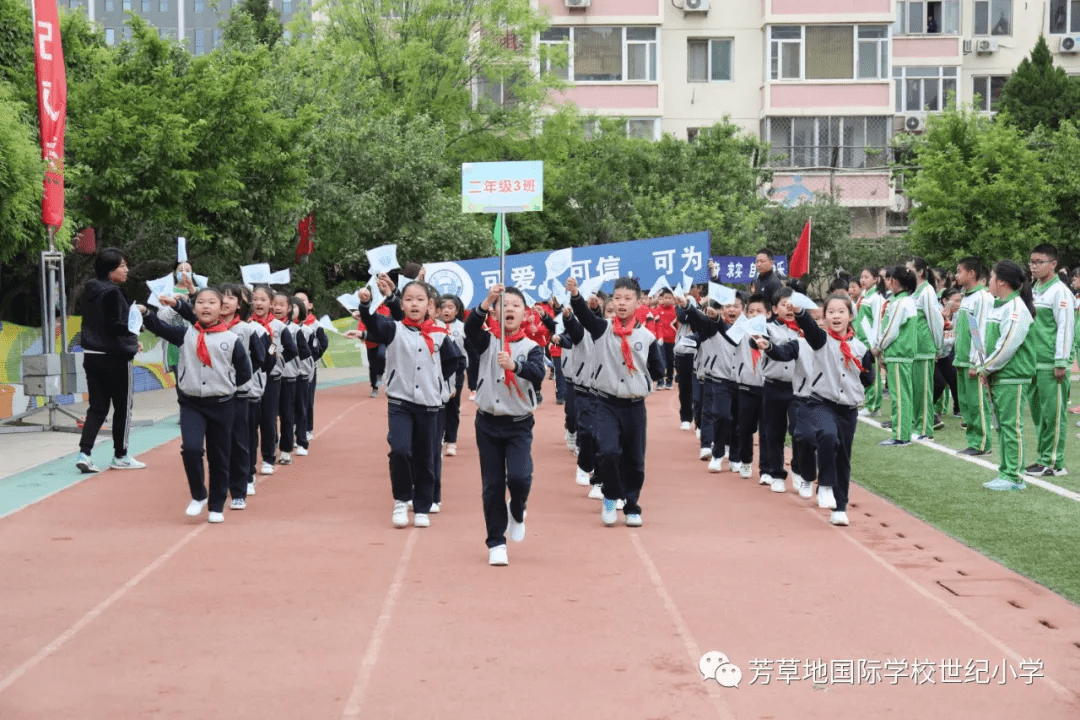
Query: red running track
{"type": "Point", "coordinates": [310, 605]}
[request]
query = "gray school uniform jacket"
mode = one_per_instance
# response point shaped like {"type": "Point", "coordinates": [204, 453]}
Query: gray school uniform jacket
{"type": "Point", "coordinates": [259, 371]}
{"type": "Point", "coordinates": [835, 378]}
{"type": "Point", "coordinates": [295, 368]}
{"type": "Point", "coordinates": [778, 370]}
{"type": "Point", "coordinates": [284, 347]}
{"type": "Point", "coordinates": [580, 369]}
{"type": "Point", "coordinates": [413, 374]}
{"type": "Point", "coordinates": [492, 394]}
{"type": "Point", "coordinates": [717, 352]}
{"type": "Point", "coordinates": [229, 369]}
{"type": "Point", "coordinates": [611, 377]}
{"type": "Point", "coordinates": [685, 341]}
{"type": "Point", "coordinates": [798, 354]}
{"type": "Point", "coordinates": [748, 373]}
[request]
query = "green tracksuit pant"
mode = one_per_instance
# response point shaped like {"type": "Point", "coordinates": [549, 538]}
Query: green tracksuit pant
{"type": "Point", "coordinates": [873, 393]}
{"type": "Point", "coordinates": [1009, 409]}
{"type": "Point", "coordinates": [922, 406]}
{"type": "Point", "coordinates": [900, 387]}
{"type": "Point", "coordinates": [1049, 411]}
{"type": "Point", "coordinates": [975, 409]}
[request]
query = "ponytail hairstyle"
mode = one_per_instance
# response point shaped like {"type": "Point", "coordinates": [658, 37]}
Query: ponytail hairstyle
{"type": "Point", "coordinates": [296, 304]}
{"type": "Point", "coordinates": [927, 273]}
{"type": "Point", "coordinates": [243, 305]}
{"type": "Point", "coordinates": [905, 277]}
{"type": "Point", "coordinates": [879, 282]}
{"type": "Point", "coordinates": [1013, 275]}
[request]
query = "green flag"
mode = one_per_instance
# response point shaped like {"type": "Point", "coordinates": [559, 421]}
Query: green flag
{"type": "Point", "coordinates": [502, 237]}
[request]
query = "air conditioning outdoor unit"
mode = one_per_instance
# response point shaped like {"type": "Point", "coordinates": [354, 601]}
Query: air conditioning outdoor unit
{"type": "Point", "coordinates": [701, 6]}
{"type": "Point", "coordinates": [1069, 45]}
{"type": "Point", "coordinates": [968, 46]}
{"type": "Point", "coordinates": [985, 47]}
{"type": "Point", "coordinates": [914, 123]}
{"type": "Point", "coordinates": [577, 3]}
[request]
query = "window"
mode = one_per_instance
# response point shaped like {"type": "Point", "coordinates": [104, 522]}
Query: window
{"type": "Point", "coordinates": [110, 36]}
{"type": "Point", "coordinates": [498, 91]}
{"type": "Point", "coordinates": [915, 17]}
{"type": "Point", "coordinates": [217, 37]}
{"type": "Point", "coordinates": [200, 6]}
{"type": "Point", "coordinates": [873, 58]}
{"type": "Point", "coordinates": [1065, 16]}
{"type": "Point", "coordinates": [609, 54]}
{"type": "Point", "coordinates": [200, 41]}
{"type": "Point", "coordinates": [555, 52]}
{"type": "Point", "coordinates": [692, 133]}
{"type": "Point", "coordinates": [993, 17]}
{"type": "Point", "coordinates": [72, 4]}
{"type": "Point", "coordinates": [924, 89]}
{"type": "Point", "coordinates": [163, 6]}
{"type": "Point", "coordinates": [785, 57]}
{"type": "Point", "coordinates": [286, 7]}
{"type": "Point", "coordinates": [830, 52]}
{"type": "Point", "coordinates": [642, 128]}
{"type": "Point", "coordinates": [146, 6]}
{"type": "Point", "coordinates": [110, 6]}
{"type": "Point", "coordinates": [127, 33]}
{"type": "Point", "coordinates": [127, 5]}
{"type": "Point", "coordinates": [822, 142]}
{"type": "Point", "coordinates": [708, 60]}
{"type": "Point", "coordinates": [986, 91]}
{"type": "Point", "coordinates": [640, 53]}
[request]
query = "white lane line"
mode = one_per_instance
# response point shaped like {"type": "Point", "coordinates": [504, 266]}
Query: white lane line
{"type": "Point", "coordinates": [692, 648]}
{"type": "Point", "coordinates": [371, 655]}
{"type": "Point", "coordinates": [89, 617]}
{"type": "Point", "coordinates": [343, 413]}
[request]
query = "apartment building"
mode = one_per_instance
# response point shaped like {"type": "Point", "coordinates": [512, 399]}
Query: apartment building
{"type": "Point", "coordinates": [826, 82]}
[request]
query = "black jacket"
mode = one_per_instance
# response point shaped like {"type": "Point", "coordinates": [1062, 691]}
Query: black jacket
{"type": "Point", "coordinates": [105, 320]}
{"type": "Point", "coordinates": [767, 284]}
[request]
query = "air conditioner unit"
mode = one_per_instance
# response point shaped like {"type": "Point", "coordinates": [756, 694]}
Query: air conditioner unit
{"type": "Point", "coordinates": [577, 3]}
{"type": "Point", "coordinates": [914, 123]}
{"type": "Point", "coordinates": [701, 6]}
{"type": "Point", "coordinates": [968, 45]}
{"type": "Point", "coordinates": [1069, 45]}
{"type": "Point", "coordinates": [985, 47]}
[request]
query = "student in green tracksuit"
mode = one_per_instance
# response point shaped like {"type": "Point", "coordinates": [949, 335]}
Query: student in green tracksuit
{"type": "Point", "coordinates": [897, 347]}
{"type": "Point", "coordinates": [930, 339]}
{"type": "Point", "coordinates": [1009, 367]}
{"type": "Point", "coordinates": [1052, 337]}
{"type": "Point", "coordinates": [870, 308]}
{"type": "Point", "coordinates": [973, 395]}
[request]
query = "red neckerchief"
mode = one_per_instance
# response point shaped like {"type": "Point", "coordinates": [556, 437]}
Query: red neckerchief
{"type": "Point", "coordinates": [426, 328]}
{"type": "Point", "coordinates": [229, 325]}
{"type": "Point", "coordinates": [496, 330]}
{"type": "Point", "coordinates": [623, 331]}
{"type": "Point", "coordinates": [755, 355]}
{"type": "Point", "coordinates": [310, 319]}
{"type": "Point", "coordinates": [794, 326]}
{"type": "Point", "coordinates": [200, 348]}
{"type": "Point", "coordinates": [849, 357]}
{"type": "Point", "coordinates": [266, 322]}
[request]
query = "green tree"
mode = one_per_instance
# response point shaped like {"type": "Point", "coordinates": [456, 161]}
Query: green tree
{"type": "Point", "coordinates": [1040, 94]}
{"type": "Point", "coordinates": [781, 227]}
{"type": "Point", "coordinates": [1057, 153]}
{"type": "Point", "coordinates": [21, 175]}
{"type": "Point", "coordinates": [253, 22]}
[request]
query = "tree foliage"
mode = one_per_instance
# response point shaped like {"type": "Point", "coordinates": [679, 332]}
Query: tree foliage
{"type": "Point", "coordinates": [1040, 94]}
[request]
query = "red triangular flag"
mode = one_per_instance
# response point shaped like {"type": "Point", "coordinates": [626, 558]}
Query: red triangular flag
{"type": "Point", "coordinates": [306, 228]}
{"type": "Point", "coordinates": [86, 242]}
{"type": "Point", "coordinates": [800, 259]}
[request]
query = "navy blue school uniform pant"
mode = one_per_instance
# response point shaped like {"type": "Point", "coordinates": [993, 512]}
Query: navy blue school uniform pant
{"type": "Point", "coordinates": [254, 413]}
{"type": "Point", "coordinates": [303, 390]}
{"type": "Point", "coordinates": [803, 454]}
{"type": "Point", "coordinates": [453, 414]}
{"type": "Point", "coordinates": [573, 392]}
{"type": "Point", "coordinates": [560, 380]}
{"type": "Point", "coordinates": [287, 408]}
{"type": "Point", "coordinates": [684, 366]}
{"type": "Point", "coordinates": [586, 441]}
{"type": "Point", "coordinates": [268, 418]}
{"type": "Point", "coordinates": [832, 430]}
{"type": "Point", "coordinates": [376, 359]}
{"type": "Point", "coordinates": [697, 393]}
{"type": "Point", "coordinates": [775, 401]}
{"type": "Point", "coordinates": [718, 412]}
{"type": "Point", "coordinates": [472, 372]}
{"type": "Point", "coordinates": [240, 453]}
{"type": "Point", "coordinates": [311, 402]}
{"type": "Point", "coordinates": [669, 362]}
{"type": "Point", "coordinates": [747, 423]}
{"type": "Point", "coordinates": [413, 437]}
{"type": "Point", "coordinates": [505, 445]}
{"type": "Point", "coordinates": [436, 453]}
{"type": "Point", "coordinates": [207, 422]}
{"type": "Point", "coordinates": [620, 449]}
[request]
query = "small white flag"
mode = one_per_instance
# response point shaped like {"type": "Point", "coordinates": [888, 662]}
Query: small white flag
{"type": "Point", "coordinates": [721, 293]}
{"type": "Point", "coordinates": [255, 274]}
{"type": "Point", "coordinates": [281, 277]}
{"type": "Point", "coordinates": [382, 259]}
{"type": "Point", "coordinates": [181, 250]}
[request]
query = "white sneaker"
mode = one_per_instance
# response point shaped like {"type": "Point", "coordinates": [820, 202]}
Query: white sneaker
{"type": "Point", "coordinates": [582, 478]}
{"type": "Point", "coordinates": [285, 459]}
{"type": "Point", "coordinates": [195, 508]}
{"type": "Point", "coordinates": [745, 470]}
{"type": "Point", "coordinates": [266, 469]}
{"type": "Point", "coordinates": [238, 504]}
{"type": "Point", "coordinates": [620, 504]}
{"type": "Point", "coordinates": [497, 556]}
{"type": "Point", "coordinates": [806, 489]}
{"type": "Point", "coordinates": [301, 451]}
{"type": "Point", "coordinates": [515, 529]}
{"type": "Point", "coordinates": [735, 466]}
{"type": "Point", "coordinates": [765, 479]}
{"type": "Point", "coordinates": [825, 498]}
{"type": "Point", "coordinates": [216, 517]}
{"type": "Point", "coordinates": [633, 521]}
{"type": "Point", "coordinates": [421, 520]}
{"type": "Point", "coordinates": [838, 517]}
{"type": "Point", "coordinates": [310, 437]}
{"type": "Point", "coordinates": [796, 479]}
{"type": "Point", "coordinates": [684, 426]}
{"type": "Point", "coordinates": [401, 514]}
{"type": "Point", "coordinates": [251, 488]}
{"type": "Point", "coordinates": [607, 512]}
{"type": "Point", "coordinates": [779, 485]}
{"type": "Point", "coordinates": [697, 431]}
{"type": "Point", "coordinates": [596, 492]}
{"type": "Point", "coordinates": [705, 454]}
{"type": "Point", "coordinates": [1061, 472]}
{"type": "Point", "coordinates": [451, 449]}
{"type": "Point", "coordinates": [86, 464]}
{"type": "Point", "coordinates": [126, 463]}
{"type": "Point", "coordinates": [435, 508]}
{"type": "Point", "coordinates": [716, 465]}
{"type": "Point", "coordinates": [864, 412]}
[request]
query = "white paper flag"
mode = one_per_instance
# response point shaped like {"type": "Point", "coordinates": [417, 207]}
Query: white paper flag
{"type": "Point", "coordinates": [737, 332]}
{"type": "Point", "coordinates": [134, 319]}
{"type": "Point", "coordinates": [558, 262]}
{"type": "Point", "coordinates": [200, 281]}
{"type": "Point", "coordinates": [161, 286]}
{"type": "Point", "coordinates": [593, 284]}
{"type": "Point", "coordinates": [721, 293]}
{"type": "Point", "coordinates": [324, 323]}
{"type": "Point", "coordinates": [181, 250]}
{"type": "Point", "coordinates": [402, 281]}
{"type": "Point", "coordinates": [529, 299]}
{"type": "Point", "coordinates": [349, 301]}
{"type": "Point", "coordinates": [756, 325]}
{"type": "Point", "coordinates": [281, 277]}
{"type": "Point", "coordinates": [382, 259]}
{"type": "Point", "coordinates": [801, 301]}
{"type": "Point", "coordinates": [560, 293]}
{"type": "Point", "coordinates": [255, 274]}
{"type": "Point", "coordinates": [660, 284]}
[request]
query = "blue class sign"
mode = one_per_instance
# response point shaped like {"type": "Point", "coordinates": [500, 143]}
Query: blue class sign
{"type": "Point", "coordinates": [743, 270]}
{"type": "Point", "coordinates": [543, 274]}
{"type": "Point", "coordinates": [502, 187]}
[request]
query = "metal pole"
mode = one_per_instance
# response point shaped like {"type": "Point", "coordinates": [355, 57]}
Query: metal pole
{"type": "Point", "coordinates": [45, 334]}
{"type": "Point", "coordinates": [502, 276]}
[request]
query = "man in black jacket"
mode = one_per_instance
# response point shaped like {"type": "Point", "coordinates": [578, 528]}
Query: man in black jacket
{"type": "Point", "coordinates": [767, 281]}
{"type": "Point", "coordinates": [109, 348]}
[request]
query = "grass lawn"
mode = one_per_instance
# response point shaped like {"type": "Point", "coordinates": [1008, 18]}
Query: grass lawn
{"type": "Point", "coordinates": [1033, 532]}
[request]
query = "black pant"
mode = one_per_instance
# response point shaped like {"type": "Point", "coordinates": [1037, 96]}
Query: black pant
{"type": "Point", "coordinates": [718, 412]}
{"type": "Point", "coordinates": [803, 452]}
{"type": "Point", "coordinates": [620, 450]}
{"type": "Point", "coordinates": [505, 446]}
{"type": "Point", "coordinates": [254, 411]}
{"type": "Point", "coordinates": [472, 373]}
{"type": "Point", "coordinates": [108, 382]}
{"type": "Point", "coordinates": [945, 376]}
{"type": "Point", "coordinates": [747, 422]}
{"type": "Point", "coordinates": [240, 456]}
{"type": "Point", "coordinates": [560, 379]}
{"type": "Point", "coordinates": [413, 437]}
{"type": "Point", "coordinates": [573, 392]}
{"type": "Point", "coordinates": [586, 441]}
{"type": "Point", "coordinates": [209, 422]}
{"type": "Point", "coordinates": [268, 414]}
{"type": "Point", "coordinates": [697, 395]}
{"type": "Point", "coordinates": [774, 423]}
{"type": "Point", "coordinates": [832, 428]}
{"type": "Point", "coordinates": [436, 454]}
{"type": "Point", "coordinates": [287, 411]}
{"type": "Point", "coordinates": [301, 404]}
{"type": "Point", "coordinates": [685, 366]}
{"type": "Point", "coordinates": [669, 362]}
{"type": "Point", "coordinates": [311, 402]}
{"type": "Point", "coordinates": [453, 414]}
{"type": "Point", "coordinates": [376, 358]}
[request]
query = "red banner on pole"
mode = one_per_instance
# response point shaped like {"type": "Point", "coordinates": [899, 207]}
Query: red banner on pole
{"type": "Point", "coordinates": [799, 264]}
{"type": "Point", "coordinates": [52, 107]}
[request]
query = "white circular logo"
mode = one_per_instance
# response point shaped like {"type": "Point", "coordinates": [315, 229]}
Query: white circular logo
{"type": "Point", "coordinates": [449, 278]}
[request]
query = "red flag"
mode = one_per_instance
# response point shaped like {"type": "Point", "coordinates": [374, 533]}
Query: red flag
{"type": "Point", "coordinates": [52, 107]}
{"type": "Point", "coordinates": [799, 264]}
{"type": "Point", "coordinates": [306, 246]}
{"type": "Point", "coordinates": [86, 242]}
